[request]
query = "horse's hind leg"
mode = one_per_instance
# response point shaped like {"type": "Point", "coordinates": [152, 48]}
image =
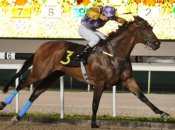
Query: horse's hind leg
{"type": "Point", "coordinates": [9, 99]}
{"type": "Point", "coordinates": [131, 84]}
{"type": "Point", "coordinates": [23, 83]}
{"type": "Point", "coordinates": [24, 68]}
{"type": "Point", "coordinates": [36, 74]}
{"type": "Point", "coordinates": [42, 87]}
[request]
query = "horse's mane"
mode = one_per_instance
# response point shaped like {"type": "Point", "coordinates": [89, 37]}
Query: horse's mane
{"type": "Point", "coordinates": [123, 28]}
{"type": "Point", "coordinates": [119, 30]}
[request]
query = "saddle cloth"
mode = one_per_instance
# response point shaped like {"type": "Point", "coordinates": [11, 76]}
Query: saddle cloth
{"type": "Point", "coordinates": [69, 57]}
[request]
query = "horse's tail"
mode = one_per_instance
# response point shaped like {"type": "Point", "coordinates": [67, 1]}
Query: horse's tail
{"type": "Point", "coordinates": [24, 68]}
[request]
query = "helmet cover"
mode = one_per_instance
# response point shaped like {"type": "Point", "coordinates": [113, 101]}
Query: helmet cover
{"type": "Point", "coordinates": [109, 11]}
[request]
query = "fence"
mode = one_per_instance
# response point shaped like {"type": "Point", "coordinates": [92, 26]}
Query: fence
{"type": "Point", "coordinates": [136, 67]}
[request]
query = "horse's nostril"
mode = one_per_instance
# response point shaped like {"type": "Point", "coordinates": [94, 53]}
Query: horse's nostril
{"type": "Point", "coordinates": [157, 43]}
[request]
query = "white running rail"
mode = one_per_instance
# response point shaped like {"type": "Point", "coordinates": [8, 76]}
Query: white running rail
{"type": "Point", "coordinates": [136, 67]}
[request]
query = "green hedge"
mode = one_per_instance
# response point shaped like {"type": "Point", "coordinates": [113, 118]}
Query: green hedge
{"type": "Point", "coordinates": [160, 81]}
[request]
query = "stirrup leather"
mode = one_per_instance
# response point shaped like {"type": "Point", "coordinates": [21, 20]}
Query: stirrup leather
{"type": "Point", "coordinates": [83, 54]}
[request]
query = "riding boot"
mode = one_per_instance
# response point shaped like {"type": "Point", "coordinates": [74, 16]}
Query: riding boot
{"type": "Point", "coordinates": [83, 54]}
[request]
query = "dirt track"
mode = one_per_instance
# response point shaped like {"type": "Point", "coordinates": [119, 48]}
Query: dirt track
{"type": "Point", "coordinates": [80, 103]}
{"type": "Point", "coordinates": [62, 126]}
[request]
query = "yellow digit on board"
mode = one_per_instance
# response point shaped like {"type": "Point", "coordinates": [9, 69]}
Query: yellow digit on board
{"type": "Point", "coordinates": [21, 12]}
{"type": "Point", "coordinates": [69, 54]}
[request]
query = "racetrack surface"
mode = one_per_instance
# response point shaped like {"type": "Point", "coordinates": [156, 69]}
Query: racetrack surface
{"type": "Point", "coordinates": [61, 126]}
{"type": "Point", "coordinates": [80, 103]}
{"type": "Point", "coordinates": [84, 125]}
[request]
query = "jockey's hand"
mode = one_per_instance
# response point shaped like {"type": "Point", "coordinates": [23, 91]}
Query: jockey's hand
{"type": "Point", "coordinates": [123, 25]}
{"type": "Point", "coordinates": [130, 18]}
{"type": "Point", "coordinates": [121, 20]}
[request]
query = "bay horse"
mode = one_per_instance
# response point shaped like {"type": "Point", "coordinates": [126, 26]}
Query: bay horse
{"type": "Point", "coordinates": [102, 70]}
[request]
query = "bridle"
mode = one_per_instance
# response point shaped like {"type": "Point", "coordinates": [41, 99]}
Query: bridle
{"type": "Point", "coordinates": [142, 31]}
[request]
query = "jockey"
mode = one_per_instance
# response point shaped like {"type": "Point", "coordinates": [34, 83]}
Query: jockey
{"type": "Point", "coordinates": [95, 18]}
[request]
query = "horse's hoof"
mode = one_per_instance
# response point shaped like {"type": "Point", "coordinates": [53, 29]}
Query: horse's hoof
{"type": "Point", "coordinates": [2, 105]}
{"type": "Point", "coordinates": [15, 119]}
{"type": "Point", "coordinates": [94, 125]}
{"type": "Point", "coordinates": [164, 115]}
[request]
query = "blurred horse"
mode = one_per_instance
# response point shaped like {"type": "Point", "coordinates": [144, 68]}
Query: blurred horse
{"type": "Point", "coordinates": [109, 64]}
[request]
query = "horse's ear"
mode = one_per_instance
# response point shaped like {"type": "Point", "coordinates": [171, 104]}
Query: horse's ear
{"type": "Point", "coordinates": [135, 17]}
{"type": "Point", "coordinates": [141, 19]}
{"type": "Point", "coordinates": [138, 18]}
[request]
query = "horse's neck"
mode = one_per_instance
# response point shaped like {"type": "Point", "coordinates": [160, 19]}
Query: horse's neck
{"type": "Point", "coordinates": [124, 45]}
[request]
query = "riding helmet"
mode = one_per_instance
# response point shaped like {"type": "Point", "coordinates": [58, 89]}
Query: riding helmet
{"type": "Point", "coordinates": [109, 11]}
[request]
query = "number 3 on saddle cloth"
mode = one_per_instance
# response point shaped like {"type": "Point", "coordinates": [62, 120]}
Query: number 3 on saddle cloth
{"type": "Point", "coordinates": [69, 58]}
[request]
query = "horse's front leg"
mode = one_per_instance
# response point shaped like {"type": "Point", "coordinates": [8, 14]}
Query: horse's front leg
{"type": "Point", "coordinates": [131, 84]}
{"type": "Point", "coordinates": [95, 104]}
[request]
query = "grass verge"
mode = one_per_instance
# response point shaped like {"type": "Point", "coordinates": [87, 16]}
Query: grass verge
{"type": "Point", "coordinates": [103, 117]}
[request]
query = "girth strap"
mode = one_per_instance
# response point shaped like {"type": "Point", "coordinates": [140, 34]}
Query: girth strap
{"type": "Point", "coordinates": [83, 71]}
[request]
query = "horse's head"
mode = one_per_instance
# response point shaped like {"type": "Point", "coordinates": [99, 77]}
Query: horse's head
{"type": "Point", "coordinates": [145, 33]}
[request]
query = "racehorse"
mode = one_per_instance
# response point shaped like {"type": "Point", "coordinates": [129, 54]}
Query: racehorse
{"type": "Point", "coordinates": [103, 69]}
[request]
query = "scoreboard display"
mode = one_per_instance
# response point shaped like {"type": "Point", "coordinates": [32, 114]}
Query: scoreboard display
{"type": "Point", "coordinates": [61, 18]}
